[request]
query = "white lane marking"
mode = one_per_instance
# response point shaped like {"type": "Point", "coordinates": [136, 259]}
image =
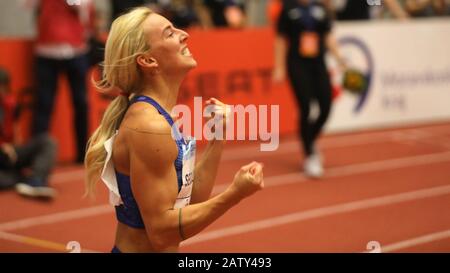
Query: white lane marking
{"type": "Point", "coordinates": [319, 212]}
{"type": "Point", "coordinates": [271, 181]}
{"type": "Point", "coordinates": [382, 165]}
{"type": "Point", "coordinates": [39, 242]}
{"type": "Point", "coordinates": [292, 146]}
{"type": "Point", "coordinates": [415, 241]}
{"type": "Point", "coordinates": [56, 217]}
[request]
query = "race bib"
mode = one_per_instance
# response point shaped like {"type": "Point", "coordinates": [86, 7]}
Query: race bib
{"type": "Point", "coordinates": [184, 196]}
{"type": "Point", "coordinates": [309, 45]}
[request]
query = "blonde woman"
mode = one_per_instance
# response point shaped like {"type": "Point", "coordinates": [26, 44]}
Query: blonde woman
{"type": "Point", "coordinates": [150, 175]}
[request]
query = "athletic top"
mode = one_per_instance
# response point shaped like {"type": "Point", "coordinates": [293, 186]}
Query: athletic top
{"type": "Point", "coordinates": [127, 210]}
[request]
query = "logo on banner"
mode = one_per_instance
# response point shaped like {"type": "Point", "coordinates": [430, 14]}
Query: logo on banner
{"type": "Point", "coordinates": [357, 78]}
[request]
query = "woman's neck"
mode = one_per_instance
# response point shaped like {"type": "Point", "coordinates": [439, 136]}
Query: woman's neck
{"type": "Point", "coordinates": [162, 91]}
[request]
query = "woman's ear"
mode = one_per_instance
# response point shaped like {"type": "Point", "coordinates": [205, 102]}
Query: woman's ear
{"type": "Point", "coordinates": [147, 62]}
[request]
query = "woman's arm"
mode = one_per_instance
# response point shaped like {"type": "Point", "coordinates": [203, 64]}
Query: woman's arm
{"type": "Point", "coordinates": [332, 46]}
{"type": "Point", "coordinates": [206, 168]}
{"type": "Point", "coordinates": [154, 185]}
{"type": "Point", "coordinates": [205, 172]}
{"type": "Point", "coordinates": [396, 9]}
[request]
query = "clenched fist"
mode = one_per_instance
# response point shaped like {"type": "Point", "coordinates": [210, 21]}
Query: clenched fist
{"type": "Point", "coordinates": [248, 180]}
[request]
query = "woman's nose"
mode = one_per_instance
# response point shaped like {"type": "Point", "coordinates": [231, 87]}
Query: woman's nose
{"type": "Point", "coordinates": [184, 36]}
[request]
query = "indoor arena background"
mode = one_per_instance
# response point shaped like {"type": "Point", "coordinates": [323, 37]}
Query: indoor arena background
{"type": "Point", "coordinates": [386, 149]}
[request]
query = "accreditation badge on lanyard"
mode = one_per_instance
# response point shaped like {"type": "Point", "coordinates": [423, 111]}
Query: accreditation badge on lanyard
{"type": "Point", "coordinates": [309, 44]}
{"type": "Point", "coordinates": [184, 196]}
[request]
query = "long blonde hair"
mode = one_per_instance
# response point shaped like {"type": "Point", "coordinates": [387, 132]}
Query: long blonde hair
{"type": "Point", "coordinates": [126, 41]}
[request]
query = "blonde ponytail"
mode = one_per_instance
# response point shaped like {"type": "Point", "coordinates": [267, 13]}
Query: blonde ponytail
{"type": "Point", "coordinates": [96, 153]}
{"type": "Point", "coordinates": [126, 41]}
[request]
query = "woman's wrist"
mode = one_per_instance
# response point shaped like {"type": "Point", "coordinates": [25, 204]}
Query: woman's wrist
{"type": "Point", "coordinates": [231, 194]}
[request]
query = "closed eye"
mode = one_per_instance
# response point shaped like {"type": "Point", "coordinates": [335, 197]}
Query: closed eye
{"type": "Point", "coordinates": [168, 31]}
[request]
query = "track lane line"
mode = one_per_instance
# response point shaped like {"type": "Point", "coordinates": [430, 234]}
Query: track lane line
{"type": "Point", "coordinates": [428, 238]}
{"type": "Point", "coordinates": [317, 213]}
{"type": "Point", "coordinates": [271, 181]}
{"type": "Point", "coordinates": [291, 146]}
{"type": "Point", "coordinates": [46, 244]}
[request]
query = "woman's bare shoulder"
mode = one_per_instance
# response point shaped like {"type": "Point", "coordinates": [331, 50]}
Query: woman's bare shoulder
{"type": "Point", "coordinates": [148, 133]}
{"type": "Point", "coordinates": [144, 118]}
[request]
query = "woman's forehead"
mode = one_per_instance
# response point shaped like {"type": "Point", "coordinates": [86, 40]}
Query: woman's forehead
{"type": "Point", "coordinates": [155, 24]}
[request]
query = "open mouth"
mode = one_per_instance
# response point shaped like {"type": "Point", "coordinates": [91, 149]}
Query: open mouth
{"type": "Point", "coordinates": [186, 52]}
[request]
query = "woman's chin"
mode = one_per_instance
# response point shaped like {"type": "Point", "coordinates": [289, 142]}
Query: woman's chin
{"type": "Point", "coordinates": [193, 64]}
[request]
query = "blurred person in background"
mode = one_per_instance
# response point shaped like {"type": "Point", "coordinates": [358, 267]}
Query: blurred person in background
{"type": "Point", "coordinates": [185, 13]}
{"type": "Point", "coordinates": [64, 30]}
{"type": "Point", "coordinates": [119, 7]}
{"type": "Point", "coordinates": [346, 10]}
{"type": "Point", "coordinates": [226, 13]}
{"type": "Point", "coordinates": [423, 8]}
{"type": "Point", "coordinates": [274, 8]}
{"type": "Point", "coordinates": [181, 12]}
{"type": "Point", "coordinates": [23, 165]}
{"type": "Point", "coordinates": [303, 36]}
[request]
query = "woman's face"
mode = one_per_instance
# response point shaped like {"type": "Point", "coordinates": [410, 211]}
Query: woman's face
{"type": "Point", "coordinates": [168, 45]}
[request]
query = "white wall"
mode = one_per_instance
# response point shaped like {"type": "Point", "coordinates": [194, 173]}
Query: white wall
{"type": "Point", "coordinates": [15, 21]}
